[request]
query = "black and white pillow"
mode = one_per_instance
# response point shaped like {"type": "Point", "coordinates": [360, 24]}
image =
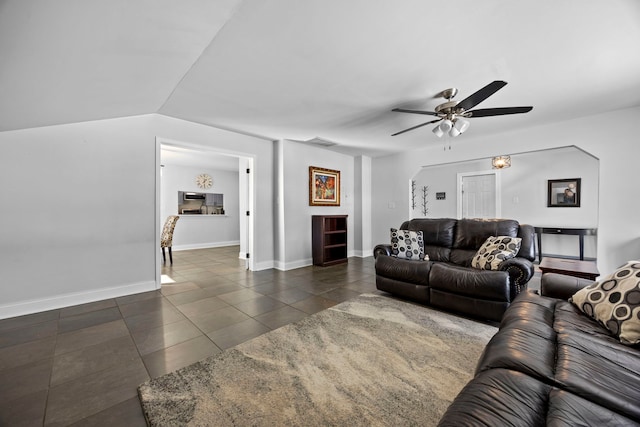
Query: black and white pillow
{"type": "Point", "coordinates": [494, 251]}
{"type": "Point", "coordinates": [407, 244]}
{"type": "Point", "coordinates": [614, 302]}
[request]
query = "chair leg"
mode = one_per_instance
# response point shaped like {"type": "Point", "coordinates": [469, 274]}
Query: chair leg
{"type": "Point", "coordinates": [170, 256]}
{"type": "Point", "coordinates": [164, 257]}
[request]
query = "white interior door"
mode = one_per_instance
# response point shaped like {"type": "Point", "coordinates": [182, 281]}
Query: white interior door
{"type": "Point", "coordinates": [478, 195]}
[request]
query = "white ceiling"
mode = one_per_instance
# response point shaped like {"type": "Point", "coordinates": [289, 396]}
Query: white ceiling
{"type": "Point", "coordinates": [316, 68]}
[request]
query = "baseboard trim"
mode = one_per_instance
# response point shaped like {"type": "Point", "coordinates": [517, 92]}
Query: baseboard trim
{"type": "Point", "coordinates": [363, 254]}
{"type": "Point", "coordinates": [264, 265]}
{"type": "Point", "coordinates": [205, 245]}
{"type": "Point", "coordinates": [73, 298]}
{"type": "Point", "coordinates": [293, 264]}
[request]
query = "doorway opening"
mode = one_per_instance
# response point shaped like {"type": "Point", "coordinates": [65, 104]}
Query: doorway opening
{"type": "Point", "coordinates": [179, 165]}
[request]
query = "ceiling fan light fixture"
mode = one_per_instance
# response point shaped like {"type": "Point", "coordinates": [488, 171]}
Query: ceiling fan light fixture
{"type": "Point", "coordinates": [438, 132]}
{"type": "Point", "coordinates": [446, 125]}
{"type": "Point", "coordinates": [454, 132]}
{"type": "Point", "coordinates": [462, 125]}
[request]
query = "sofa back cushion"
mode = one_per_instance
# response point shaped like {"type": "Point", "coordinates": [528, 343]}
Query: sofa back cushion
{"type": "Point", "coordinates": [438, 235]}
{"type": "Point", "coordinates": [472, 233]}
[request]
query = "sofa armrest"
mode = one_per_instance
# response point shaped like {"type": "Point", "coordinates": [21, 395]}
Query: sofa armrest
{"type": "Point", "coordinates": [561, 286]}
{"type": "Point", "coordinates": [520, 272]}
{"type": "Point", "coordinates": [381, 249]}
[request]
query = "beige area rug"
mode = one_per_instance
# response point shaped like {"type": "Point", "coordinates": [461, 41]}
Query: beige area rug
{"type": "Point", "coordinates": [371, 361]}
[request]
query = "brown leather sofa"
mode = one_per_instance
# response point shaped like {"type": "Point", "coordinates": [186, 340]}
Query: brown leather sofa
{"type": "Point", "coordinates": [549, 364]}
{"type": "Point", "coordinates": [447, 280]}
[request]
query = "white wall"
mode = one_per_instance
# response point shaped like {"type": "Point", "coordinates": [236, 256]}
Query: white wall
{"type": "Point", "coordinates": [524, 193]}
{"type": "Point", "coordinates": [201, 231]}
{"type": "Point", "coordinates": [81, 234]}
{"type": "Point", "coordinates": [296, 229]}
{"type": "Point", "coordinates": [362, 207]}
{"type": "Point", "coordinates": [440, 179]}
{"type": "Point", "coordinates": [86, 228]}
{"type": "Point", "coordinates": [614, 146]}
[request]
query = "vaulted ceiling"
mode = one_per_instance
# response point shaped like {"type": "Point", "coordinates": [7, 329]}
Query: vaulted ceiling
{"type": "Point", "coordinates": [332, 69]}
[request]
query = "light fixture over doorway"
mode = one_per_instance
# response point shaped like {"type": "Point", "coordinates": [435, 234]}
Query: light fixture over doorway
{"type": "Point", "coordinates": [501, 162]}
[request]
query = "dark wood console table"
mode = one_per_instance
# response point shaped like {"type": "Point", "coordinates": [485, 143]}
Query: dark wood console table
{"type": "Point", "coordinates": [580, 232]}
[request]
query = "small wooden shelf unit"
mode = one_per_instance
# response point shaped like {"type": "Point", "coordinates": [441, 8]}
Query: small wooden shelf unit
{"type": "Point", "coordinates": [329, 239]}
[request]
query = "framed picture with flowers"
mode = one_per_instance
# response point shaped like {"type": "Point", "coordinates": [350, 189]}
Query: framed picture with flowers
{"type": "Point", "coordinates": [324, 187]}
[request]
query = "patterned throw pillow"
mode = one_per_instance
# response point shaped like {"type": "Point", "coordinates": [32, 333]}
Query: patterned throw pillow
{"type": "Point", "coordinates": [615, 302]}
{"type": "Point", "coordinates": [407, 244]}
{"type": "Point", "coordinates": [494, 251]}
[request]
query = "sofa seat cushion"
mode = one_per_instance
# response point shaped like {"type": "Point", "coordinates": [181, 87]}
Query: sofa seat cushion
{"type": "Point", "coordinates": [489, 285]}
{"type": "Point", "coordinates": [415, 272]}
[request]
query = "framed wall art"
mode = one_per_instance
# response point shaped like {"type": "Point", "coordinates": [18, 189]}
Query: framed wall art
{"type": "Point", "coordinates": [324, 187]}
{"type": "Point", "coordinates": [563, 193]}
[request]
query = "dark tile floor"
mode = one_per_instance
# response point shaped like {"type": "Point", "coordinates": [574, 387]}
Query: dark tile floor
{"type": "Point", "coordinates": [81, 365]}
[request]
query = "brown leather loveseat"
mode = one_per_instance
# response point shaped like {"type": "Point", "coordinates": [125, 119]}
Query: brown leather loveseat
{"type": "Point", "coordinates": [447, 280]}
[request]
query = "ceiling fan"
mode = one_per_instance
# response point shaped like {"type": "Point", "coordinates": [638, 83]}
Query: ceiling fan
{"type": "Point", "coordinates": [453, 115]}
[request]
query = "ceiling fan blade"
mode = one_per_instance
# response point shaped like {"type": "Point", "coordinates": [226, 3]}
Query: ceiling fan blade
{"type": "Point", "coordinates": [476, 98]}
{"type": "Point", "coordinates": [416, 127]}
{"type": "Point", "coordinates": [402, 110]}
{"type": "Point", "coordinates": [487, 112]}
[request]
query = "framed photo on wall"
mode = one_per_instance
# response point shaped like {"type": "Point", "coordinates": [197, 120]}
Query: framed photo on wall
{"type": "Point", "coordinates": [564, 193]}
{"type": "Point", "coordinates": [324, 187]}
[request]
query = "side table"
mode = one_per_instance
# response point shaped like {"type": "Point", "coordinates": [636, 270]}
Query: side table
{"type": "Point", "coordinates": [570, 267]}
{"type": "Point", "coordinates": [580, 232]}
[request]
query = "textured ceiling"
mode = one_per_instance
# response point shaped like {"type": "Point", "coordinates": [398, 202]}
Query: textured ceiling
{"type": "Point", "coordinates": [303, 69]}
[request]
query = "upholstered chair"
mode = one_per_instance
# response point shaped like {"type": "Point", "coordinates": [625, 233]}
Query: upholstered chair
{"type": "Point", "coordinates": [167, 236]}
